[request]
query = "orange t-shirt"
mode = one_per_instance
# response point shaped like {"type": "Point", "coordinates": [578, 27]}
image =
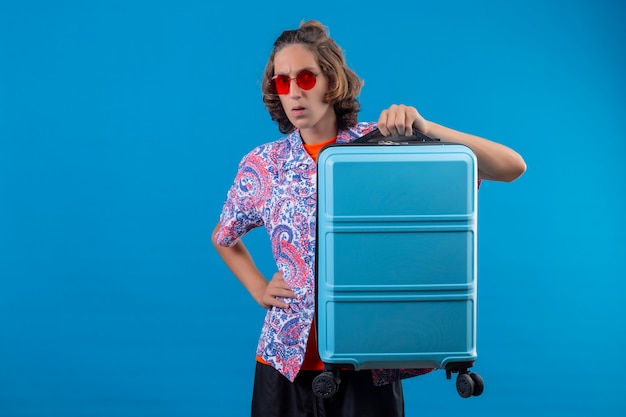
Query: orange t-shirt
{"type": "Point", "coordinates": [312, 361]}
{"type": "Point", "coordinates": [315, 149]}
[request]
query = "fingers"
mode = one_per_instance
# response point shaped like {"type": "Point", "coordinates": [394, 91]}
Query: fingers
{"type": "Point", "coordinates": [397, 120]}
{"type": "Point", "coordinates": [276, 291]}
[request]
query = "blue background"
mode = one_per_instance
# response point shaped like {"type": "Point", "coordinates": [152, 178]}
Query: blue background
{"type": "Point", "coordinates": [121, 126]}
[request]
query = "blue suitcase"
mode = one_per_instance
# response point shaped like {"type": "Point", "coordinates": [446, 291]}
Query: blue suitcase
{"type": "Point", "coordinates": [396, 258]}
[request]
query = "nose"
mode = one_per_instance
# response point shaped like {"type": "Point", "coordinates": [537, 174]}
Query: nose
{"type": "Point", "coordinates": [294, 88]}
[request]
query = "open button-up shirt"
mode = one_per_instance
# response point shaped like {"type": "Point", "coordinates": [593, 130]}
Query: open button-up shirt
{"type": "Point", "coordinates": [276, 187]}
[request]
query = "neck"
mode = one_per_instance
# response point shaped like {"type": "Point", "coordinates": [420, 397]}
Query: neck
{"type": "Point", "coordinates": [315, 135]}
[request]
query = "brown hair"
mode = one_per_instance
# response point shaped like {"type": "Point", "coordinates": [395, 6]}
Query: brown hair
{"type": "Point", "coordinates": [344, 85]}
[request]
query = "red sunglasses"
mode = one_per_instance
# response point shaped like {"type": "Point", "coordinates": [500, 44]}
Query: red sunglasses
{"type": "Point", "coordinates": [305, 79]}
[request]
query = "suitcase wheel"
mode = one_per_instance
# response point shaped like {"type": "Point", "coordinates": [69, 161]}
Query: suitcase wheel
{"type": "Point", "coordinates": [325, 385]}
{"type": "Point", "coordinates": [479, 385]}
{"type": "Point", "coordinates": [468, 384]}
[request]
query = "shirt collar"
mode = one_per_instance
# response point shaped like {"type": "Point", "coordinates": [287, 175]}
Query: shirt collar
{"type": "Point", "coordinates": [296, 155]}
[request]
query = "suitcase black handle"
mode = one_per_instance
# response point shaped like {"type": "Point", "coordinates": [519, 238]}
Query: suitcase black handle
{"type": "Point", "coordinates": [375, 136]}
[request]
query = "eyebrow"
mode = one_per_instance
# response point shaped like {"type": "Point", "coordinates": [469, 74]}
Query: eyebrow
{"type": "Point", "coordinates": [313, 70]}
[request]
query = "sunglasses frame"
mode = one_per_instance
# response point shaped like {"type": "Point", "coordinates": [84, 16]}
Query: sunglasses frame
{"type": "Point", "coordinates": [288, 79]}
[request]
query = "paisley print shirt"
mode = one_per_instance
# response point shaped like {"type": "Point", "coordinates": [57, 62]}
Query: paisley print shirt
{"type": "Point", "coordinates": [276, 187]}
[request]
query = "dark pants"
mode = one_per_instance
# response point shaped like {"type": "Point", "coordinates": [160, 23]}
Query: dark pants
{"type": "Point", "coordinates": [275, 396]}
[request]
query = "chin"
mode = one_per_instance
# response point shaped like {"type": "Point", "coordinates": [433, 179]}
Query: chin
{"type": "Point", "coordinates": [300, 126]}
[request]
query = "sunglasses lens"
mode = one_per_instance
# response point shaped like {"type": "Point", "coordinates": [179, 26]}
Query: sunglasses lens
{"type": "Point", "coordinates": [281, 84]}
{"type": "Point", "coordinates": [305, 79]}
